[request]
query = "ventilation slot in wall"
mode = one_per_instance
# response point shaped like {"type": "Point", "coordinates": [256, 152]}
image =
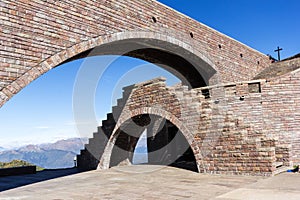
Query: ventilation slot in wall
{"type": "Point", "coordinates": [192, 35]}
{"type": "Point", "coordinates": [206, 93]}
{"type": "Point", "coordinates": [154, 19]}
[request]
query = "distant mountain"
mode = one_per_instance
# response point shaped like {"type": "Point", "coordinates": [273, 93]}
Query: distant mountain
{"type": "Point", "coordinates": [73, 145]}
{"type": "Point", "coordinates": [50, 156]}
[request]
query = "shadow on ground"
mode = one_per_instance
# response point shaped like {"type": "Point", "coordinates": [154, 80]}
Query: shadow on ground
{"type": "Point", "coordinates": [11, 182]}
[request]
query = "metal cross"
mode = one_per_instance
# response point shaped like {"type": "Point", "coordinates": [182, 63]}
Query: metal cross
{"type": "Point", "coordinates": [278, 50]}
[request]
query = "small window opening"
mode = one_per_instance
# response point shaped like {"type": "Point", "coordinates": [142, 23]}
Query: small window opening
{"type": "Point", "coordinates": [205, 93]}
{"type": "Point", "coordinates": [254, 88]}
{"type": "Point", "coordinates": [154, 19]}
{"type": "Point", "coordinates": [192, 35]}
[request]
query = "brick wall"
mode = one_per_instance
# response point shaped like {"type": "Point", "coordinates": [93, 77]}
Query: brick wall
{"type": "Point", "coordinates": [234, 128]}
{"type": "Point", "coordinates": [39, 35]}
{"type": "Point", "coordinates": [281, 111]}
{"type": "Point", "coordinates": [223, 130]}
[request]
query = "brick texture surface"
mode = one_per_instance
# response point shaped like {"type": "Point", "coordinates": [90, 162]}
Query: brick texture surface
{"type": "Point", "coordinates": [41, 34]}
{"type": "Point", "coordinates": [239, 128]}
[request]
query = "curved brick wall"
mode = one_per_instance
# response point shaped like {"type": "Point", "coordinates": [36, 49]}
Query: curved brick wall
{"type": "Point", "coordinates": [224, 132]}
{"type": "Point", "coordinates": [39, 35]}
{"type": "Point", "coordinates": [153, 97]}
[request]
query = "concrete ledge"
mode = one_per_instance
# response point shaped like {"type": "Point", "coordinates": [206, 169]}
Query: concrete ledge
{"type": "Point", "coordinates": [18, 171]}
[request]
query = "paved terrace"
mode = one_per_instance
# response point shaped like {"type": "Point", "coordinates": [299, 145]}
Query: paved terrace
{"type": "Point", "coordinates": [156, 182]}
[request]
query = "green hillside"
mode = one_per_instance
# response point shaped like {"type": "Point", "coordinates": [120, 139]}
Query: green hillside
{"type": "Point", "coordinates": [18, 163]}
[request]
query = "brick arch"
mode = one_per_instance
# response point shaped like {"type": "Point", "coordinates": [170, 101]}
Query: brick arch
{"type": "Point", "coordinates": [83, 48]}
{"type": "Point", "coordinates": [40, 35]}
{"type": "Point", "coordinates": [188, 134]}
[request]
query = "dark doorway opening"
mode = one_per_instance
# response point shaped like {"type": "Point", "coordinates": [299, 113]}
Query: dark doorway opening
{"type": "Point", "coordinates": [159, 140]}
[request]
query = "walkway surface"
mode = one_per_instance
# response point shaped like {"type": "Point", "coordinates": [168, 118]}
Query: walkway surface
{"type": "Point", "coordinates": [156, 182]}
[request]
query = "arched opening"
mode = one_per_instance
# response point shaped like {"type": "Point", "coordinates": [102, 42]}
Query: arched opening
{"type": "Point", "coordinates": [140, 155]}
{"type": "Point", "coordinates": [44, 110]}
{"type": "Point", "coordinates": [192, 70]}
{"type": "Point", "coordinates": [166, 144]}
{"type": "Point", "coordinates": [172, 53]}
{"type": "Point", "coordinates": [176, 57]}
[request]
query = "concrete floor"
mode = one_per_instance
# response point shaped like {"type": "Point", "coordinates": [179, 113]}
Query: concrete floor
{"type": "Point", "coordinates": [157, 182]}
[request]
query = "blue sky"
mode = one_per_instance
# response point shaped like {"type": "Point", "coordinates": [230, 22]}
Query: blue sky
{"type": "Point", "coordinates": [42, 112]}
{"type": "Point", "coordinates": [261, 24]}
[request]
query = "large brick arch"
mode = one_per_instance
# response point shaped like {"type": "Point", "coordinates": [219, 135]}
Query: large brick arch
{"type": "Point", "coordinates": [39, 35]}
{"type": "Point", "coordinates": [199, 71]}
{"type": "Point", "coordinates": [187, 133]}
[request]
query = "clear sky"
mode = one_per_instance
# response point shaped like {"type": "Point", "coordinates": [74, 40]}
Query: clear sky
{"type": "Point", "coordinates": [42, 112]}
{"type": "Point", "coordinates": [261, 24]}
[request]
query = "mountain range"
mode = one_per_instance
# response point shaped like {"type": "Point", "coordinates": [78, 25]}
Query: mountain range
{"type": "Point", "coordinates": [56, 155]}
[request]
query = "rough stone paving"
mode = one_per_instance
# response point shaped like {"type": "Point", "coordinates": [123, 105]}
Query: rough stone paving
{"type": "Point", "coordinates": [239, 115]}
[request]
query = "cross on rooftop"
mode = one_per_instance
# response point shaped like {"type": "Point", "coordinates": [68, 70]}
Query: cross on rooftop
{"type": "Point", "coordinates": [278, 51]}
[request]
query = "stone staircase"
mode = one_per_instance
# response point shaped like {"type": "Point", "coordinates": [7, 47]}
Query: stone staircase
{"type": "Point", "coordinates": [89, 157]}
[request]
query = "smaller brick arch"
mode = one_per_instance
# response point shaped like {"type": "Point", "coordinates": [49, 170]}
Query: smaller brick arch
{"type": "Point", "coordinates": [188, 135]}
